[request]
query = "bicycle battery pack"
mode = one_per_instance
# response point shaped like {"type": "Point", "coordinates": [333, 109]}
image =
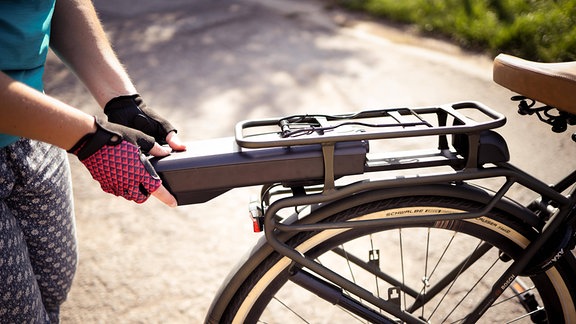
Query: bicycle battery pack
{"type": "Point", "coordinates": [209, 168]}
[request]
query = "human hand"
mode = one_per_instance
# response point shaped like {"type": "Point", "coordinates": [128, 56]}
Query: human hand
{"type": "Point", "coordinates": [113, 155]}
{"type": "Point", "coordinates": [131, 111]}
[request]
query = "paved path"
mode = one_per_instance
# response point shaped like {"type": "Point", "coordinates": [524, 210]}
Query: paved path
{"type": "Point", "coordinates": [206, 65]}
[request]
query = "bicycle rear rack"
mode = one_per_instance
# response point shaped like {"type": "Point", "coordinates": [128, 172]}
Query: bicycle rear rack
{"type": "Point", "coordinates": [318, 149]}
{"type": "Point", "coordinates": [367, 125]}
{"type": "Point", "coordinates": [473, 142]}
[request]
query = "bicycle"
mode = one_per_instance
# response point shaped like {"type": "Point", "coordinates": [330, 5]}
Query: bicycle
{"type": "Point", "coordinates": [411, 236]}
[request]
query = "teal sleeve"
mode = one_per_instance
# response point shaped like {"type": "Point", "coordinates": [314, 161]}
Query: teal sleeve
{"type": "Point", "coordinates": [24, 42]}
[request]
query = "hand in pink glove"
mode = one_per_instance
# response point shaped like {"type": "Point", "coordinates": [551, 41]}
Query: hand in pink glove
{"type": "Point", "coordinates": [114, 158]}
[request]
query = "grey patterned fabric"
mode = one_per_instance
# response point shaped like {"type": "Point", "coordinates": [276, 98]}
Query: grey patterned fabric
{"type": "Point", "coordinates": [37, 233]}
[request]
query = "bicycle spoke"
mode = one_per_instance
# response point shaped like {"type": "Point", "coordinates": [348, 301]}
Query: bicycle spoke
{"type": "Point", "coordinates": [374, 258]}
{"type": "Point", "coordinates": [336, 296]}
{"type": "Point", "coordinates": [370, 268]}
{"type": "Point", "coordinates": [402, 262]}
{"type": "Point", "coordinates": [519, 318]}
{"type": "Point", "coordinates": [450, 277]}
{"type": "Point", "coordinates": [453, 282]}
{"type": "Point", "coordinates": [423, 297]}
{"type": "Point", "coordinates": [472, 288]}
{"type": "Point", "coordinates": [426, 278]}
{"type": "Point", "coordinates": [348, 263]}
{"type": "Point", "coordinates": [517, 294]}
{"type": "Point", "coordinates": [291, 310]}
{"type": "Point", "coordinates": [301, 317]}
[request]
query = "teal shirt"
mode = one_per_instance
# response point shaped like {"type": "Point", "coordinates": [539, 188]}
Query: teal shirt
{"type": "Point", "coordinates": [24, 41]}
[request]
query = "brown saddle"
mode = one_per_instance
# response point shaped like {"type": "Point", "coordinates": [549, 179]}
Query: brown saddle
{"type": "Point", "coordinates": [553, 84]}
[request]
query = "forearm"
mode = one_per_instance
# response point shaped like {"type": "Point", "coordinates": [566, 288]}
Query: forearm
{"type": "Point", "coordinates": [79, 40]}
{"type": "Point", "coordinates": [28, 113]}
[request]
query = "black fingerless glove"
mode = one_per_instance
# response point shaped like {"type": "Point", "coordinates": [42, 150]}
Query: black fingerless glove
{"type": "Point", "coordinates": [113, 157]}
{"type": "Point", "coordinates": [131, 111]}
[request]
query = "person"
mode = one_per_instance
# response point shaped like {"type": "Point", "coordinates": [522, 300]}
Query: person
{"type": "Point", "coordinates": [37, 239]}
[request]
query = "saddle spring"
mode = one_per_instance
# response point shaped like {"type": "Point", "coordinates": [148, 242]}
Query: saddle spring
{"type": "Point", "coordinates": [559, 120]}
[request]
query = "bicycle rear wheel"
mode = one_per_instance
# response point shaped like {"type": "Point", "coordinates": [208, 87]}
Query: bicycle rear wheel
{"type": "Point", "coordinates": [436, 271]}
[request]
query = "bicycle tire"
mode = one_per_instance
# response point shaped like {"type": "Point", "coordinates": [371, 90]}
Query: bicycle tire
{"type": "Point", "coordinates": [507, 233]}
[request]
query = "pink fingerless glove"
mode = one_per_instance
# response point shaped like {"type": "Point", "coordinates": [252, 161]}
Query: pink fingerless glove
{"type": "Point", "coordinates": [116, 162]}
{"type": "Point", "coordinates": [123, 171]}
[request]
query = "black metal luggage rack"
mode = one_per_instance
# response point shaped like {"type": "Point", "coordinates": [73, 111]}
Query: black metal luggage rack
{"type": "Point", "coordinates": [308, 150]}
{"type": "Point", "coordinates": [473, 142]}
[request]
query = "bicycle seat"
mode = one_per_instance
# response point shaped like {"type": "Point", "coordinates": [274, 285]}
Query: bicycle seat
{"type": "Point", "coordinates": [553, 84]}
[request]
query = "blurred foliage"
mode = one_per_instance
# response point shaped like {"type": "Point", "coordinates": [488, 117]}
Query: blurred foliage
{"type": "Point", "coordinates": [542, 30]}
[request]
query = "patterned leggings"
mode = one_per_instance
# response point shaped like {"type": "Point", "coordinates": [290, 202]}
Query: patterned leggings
{"type": "Point", "coordinates": [37, 232]}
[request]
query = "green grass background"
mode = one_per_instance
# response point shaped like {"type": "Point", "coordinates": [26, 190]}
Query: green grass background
{"type": "Point", "coordinates": [542, 30]}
